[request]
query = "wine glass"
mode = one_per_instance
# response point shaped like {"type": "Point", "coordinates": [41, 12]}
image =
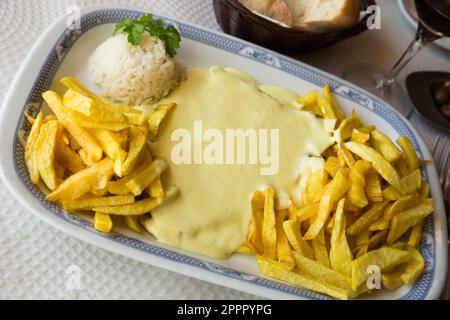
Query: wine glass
{"type": "Point", "coordinates": [434, 23]}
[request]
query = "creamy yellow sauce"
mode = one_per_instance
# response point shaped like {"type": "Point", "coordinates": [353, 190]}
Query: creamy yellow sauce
{"type": "Point", "coordinates": [212, 213]}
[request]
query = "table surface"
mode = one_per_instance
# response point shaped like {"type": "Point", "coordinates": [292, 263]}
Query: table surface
{"type": "Point", "coordinates": [36, 260]}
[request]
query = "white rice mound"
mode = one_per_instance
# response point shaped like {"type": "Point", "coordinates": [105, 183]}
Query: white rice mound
{"type": "Point", "coordinates": [134, 75]}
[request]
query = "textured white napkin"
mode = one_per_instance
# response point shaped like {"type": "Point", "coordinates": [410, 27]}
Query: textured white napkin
{"type": "Point", "coordinates": [36, 260]}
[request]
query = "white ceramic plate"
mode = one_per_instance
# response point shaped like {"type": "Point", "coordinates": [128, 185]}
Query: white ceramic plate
{"type": "Point", "coordinates": [409, 12]}
{"type": "Point", "coordinates": [60, 52]}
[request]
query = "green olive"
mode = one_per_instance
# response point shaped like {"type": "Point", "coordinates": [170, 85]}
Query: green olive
{"type": "Point", "coordinates": [441, 95]}
{"type": "Point", "coordinates": [447, 85]}
{"type": "Point", "coordinates": [445, 109]}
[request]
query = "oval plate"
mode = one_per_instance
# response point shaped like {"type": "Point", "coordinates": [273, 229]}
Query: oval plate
{"type": "Point", "coordinates": [61, 51]}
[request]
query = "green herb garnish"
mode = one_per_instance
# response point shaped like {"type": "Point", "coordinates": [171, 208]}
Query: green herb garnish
{"type": "Point", "coordinates": [136, 27]}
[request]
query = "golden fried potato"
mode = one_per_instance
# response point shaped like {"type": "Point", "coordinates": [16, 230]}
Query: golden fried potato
{"type": "Point", "coordinates": [82, 182]}
{"type": "Point", "coordinates": [144, 177]}
{"type": "Point", "coordinates": [269, 232]}
{"type": "Point", "coordinates": [409, 153]}
{"type": "Point", "coordinates": [385, 258]}
{"type": "Point", "coordinates": [380, 164]}
{"type": "Point", "coordinates": [254, 236]}
{"type": "Point", "coordinates": [88, 203]}
{"type": "Point", "coordinates": [385, 146]}
{"type": "Point", "coordinates": [45, 153]}
{"type": "Point", "coordinates": [321, 273]}
{"type": "Point", "coordinates": [132, 223]}
{"type": "Point", "coordinates": [156, 117]}
{"type": "Point", "coordinates": [404, 220]}
{"type": "Point", "coordinates": [102, 222]}
{"type": "Point", "coordinates": [320, 249]}
{"type": "Point", "coordinates": [293, 233]}
{"type": "Point", "coordinates": [283, 248]}
{"type": "Point", "coordinates": [138, 208]}
{"type": "Point", "coordinates": [340, 253]}
{"type": "Point", "coordinates": [138, 138]}
{"type": "Point", "coordinates": [31, 159]}
{"type": "Point", "coordinates": [356, 193]}
{"type": "Point", "coordinates": [369, 217]}
{"type": "Point", "coordinates": [275, 270]}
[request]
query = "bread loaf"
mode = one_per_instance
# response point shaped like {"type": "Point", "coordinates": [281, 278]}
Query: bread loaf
{"type": "Point", "coordinates": [310, 15]}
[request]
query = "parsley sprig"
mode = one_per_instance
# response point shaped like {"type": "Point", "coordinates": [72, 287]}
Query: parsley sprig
{"type": "Point", "coordinates": [136, 27]}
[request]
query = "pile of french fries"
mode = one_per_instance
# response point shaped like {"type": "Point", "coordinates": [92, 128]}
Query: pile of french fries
{"type": "Point", "coordinates": [93, 155]}
{"type": "Point", "coordinates": [364, 208]}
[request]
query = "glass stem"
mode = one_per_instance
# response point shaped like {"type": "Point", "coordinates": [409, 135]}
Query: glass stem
{"type": "Point", "coordinates": [423, 38]}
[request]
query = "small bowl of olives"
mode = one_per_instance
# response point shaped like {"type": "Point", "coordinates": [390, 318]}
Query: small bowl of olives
{"type": "Point", "coordinates": [430, 94]}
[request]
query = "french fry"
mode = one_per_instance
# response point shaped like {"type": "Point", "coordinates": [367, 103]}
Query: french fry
{"type": "Point", "coordinates": [376, 239]}
{"type": "Point", "coordinates": [275, 270]}
{"type": "Point", "coordinates": [424, 190]}
{"type": "Point", "coordinates": [322, 215]}
{"type": "Point", "coordinates": [362, 243]}
{"type": "Point", "coordinates": [111, 142]}
{"type": "Point", "coordinates": [414, 267]}
{"type": "Point", "coordinates": [336, 187]}
{"type": "Point", "coordinates": [360, 136]}
{"type": "Point", "coordinates": [332, 166]}
{"type": "Point", "coordinates": [381, 224]}
{"type": "Point", "coordinates": [138, 208]}
{"type": "Point", "coordinates": [385, 146]}
{"type": "Point", "coordinates": [84, 139]}
{"type": "Point", "coordinates": [401, 204]}
{"type": "Point", "coordinates": [356, 193]}
{"type": "Point", "coordinates": [410, 184]}
{"type": "Point", "coordinates": [254, 236]}
{"type": "Point", "coordinates": [269, 233]}
{"type": "Point", "coordinates": [307, 212]}
{"type": "Point", "coordinates": [373, 186]}
{"type": "Point", "coordinates": [155, 189]}
{"type": "Point", "coordinates": [340, 254]}
{"type": "Point", "coordinates": [143, 178]}
{"type": "Point", "coordinates": [320, 249]}
{"type": "Point", "coordinates": [294, 236]}
{"type": "Point", "coordinates": [31, 159]}
{"type": "Point", "coordinates": [402, 221]}
{"type": "Point", "coordinates": [88, 203]}
{"type": "Point", "coordinates": [102, 222]}
{"type": "Point", "coordinates": [132, 223]}
{"type": "Point", "coordinates": [45, 149]}
{"type": "Point", "coordinates": [392, 280]}
{"type": "Point", "coordinates": [308, 102]}
{"type": "Point", "coordinates": [346, 156]}
{"type": "Point", "coordinates": [91, 108]}
{"type": "Point", "coordinates": [333, 104]}
{"type": "Point", "coordinates": [415, 235]}
{"type": "Point", "coordinates": [369, 217]}
{"type": "Point", "coordinates": [409, 153]}
{"type": "Point", "coordinates": [317, 180]}
{"type": "Point", "coordinates": [321, 273]}
{"type": "Point", "coordinates": [82, 182]}
{"type": "Point", "coordinates": [74, 84]}
{"type": "Point", "coordinates": [30, 119]}
{"type": "Point", "coordinates": [68, 158]}
{"type": "Point", "coordinates": [156, 117]}
{"type": "Point", "coordinates": [381, 165]}
{"type": "Point", "coordinates": [326, 108]}
{"type": "Point", "coordinates": [283, 248]}
{"type": "Point", "coordinates": [385, 258]}
{"type": "Point", "coordinates": [346, 127]}
{"type": "Point", "coordinates": [138, 138]}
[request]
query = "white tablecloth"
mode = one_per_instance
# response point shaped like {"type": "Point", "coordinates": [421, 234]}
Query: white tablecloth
{"type": "Point", "coordinates": [35, 258]}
